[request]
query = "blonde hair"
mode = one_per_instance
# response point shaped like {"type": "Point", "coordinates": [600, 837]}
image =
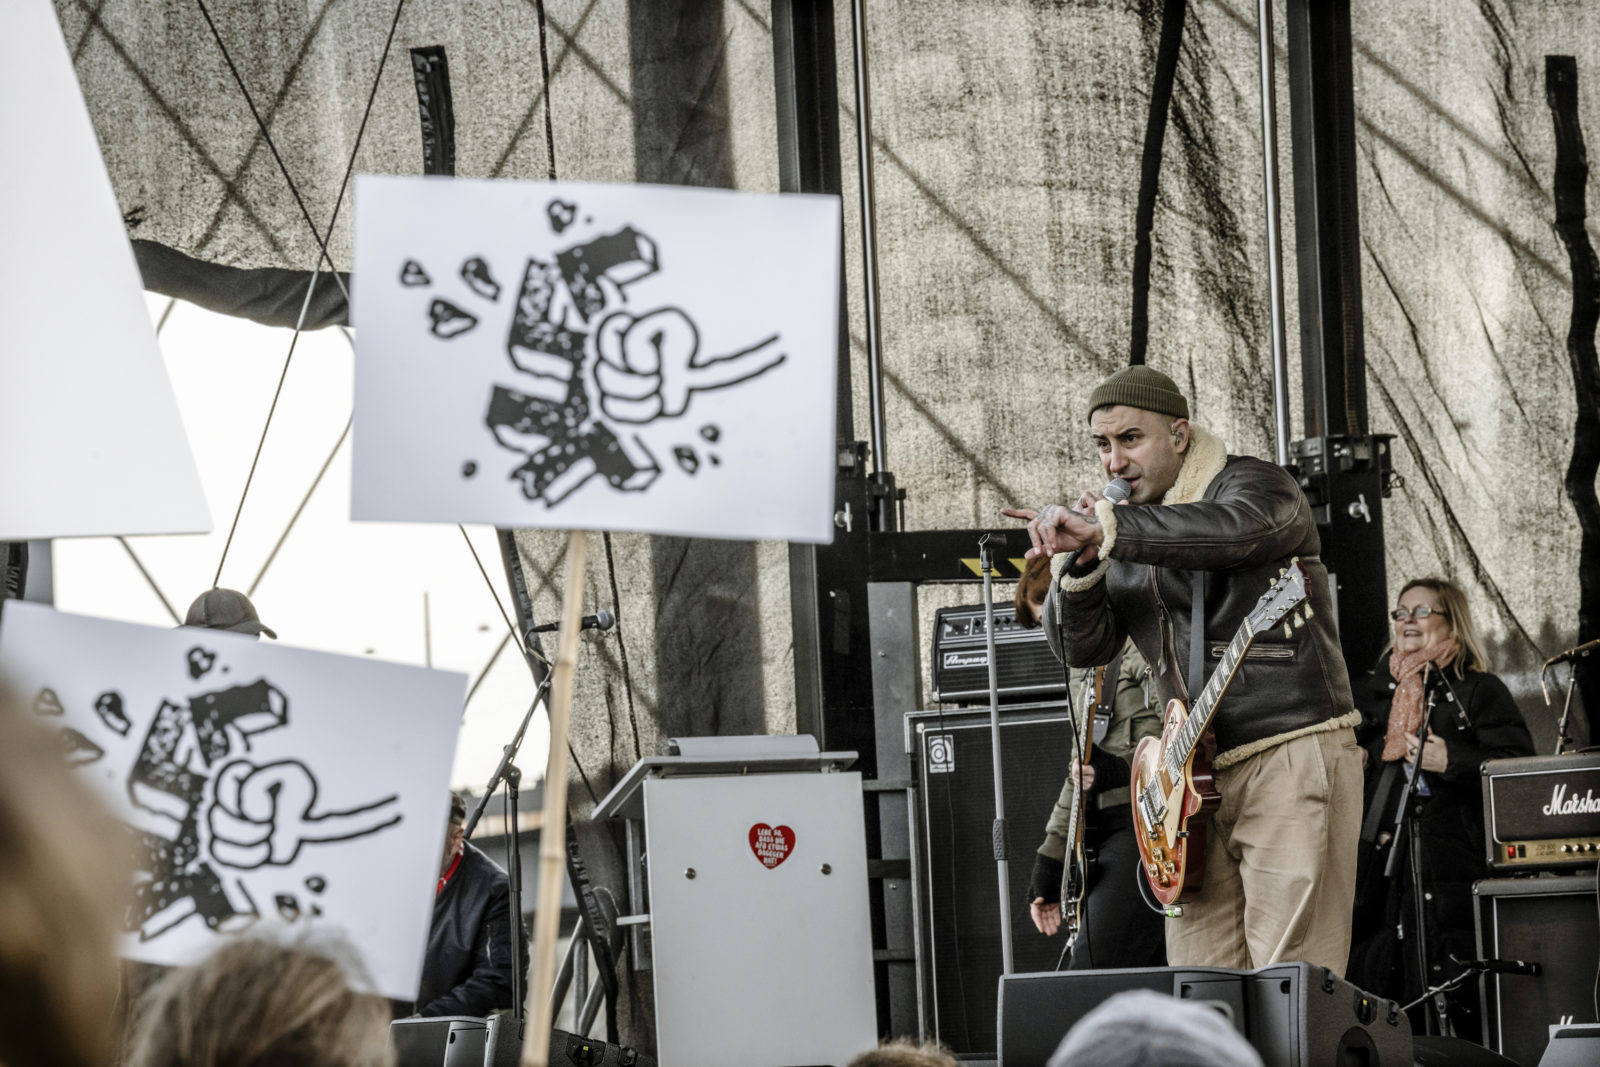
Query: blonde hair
{"type": "Point", "coordinates": [61, 894]}
{"type": "Point", "coordinates": [1474, 656]}
{"type": "Point", "coordinates": [254, 1001]}
{"type": "Point", "coordinates": [903, 1052]}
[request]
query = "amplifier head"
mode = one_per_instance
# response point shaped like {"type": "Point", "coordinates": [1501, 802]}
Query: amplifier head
{"type": "Point", "coordinates": [1025, 666]}
{"type": "Point", "coordinates": [1542, 812]}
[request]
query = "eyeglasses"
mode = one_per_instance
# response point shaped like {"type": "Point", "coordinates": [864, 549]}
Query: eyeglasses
{"type": "Point", "coordinates": [1421, 611]}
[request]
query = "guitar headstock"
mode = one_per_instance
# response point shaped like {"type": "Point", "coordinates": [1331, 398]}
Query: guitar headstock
{"type": "Point", "coordinates": [1278, 603]}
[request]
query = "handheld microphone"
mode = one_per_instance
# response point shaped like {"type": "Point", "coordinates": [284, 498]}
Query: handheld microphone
{"type": "Point", "coordinates": [600, 620]}
{"type": "Point", "coordinates": [1510, 967]}
{"type": "Point", "coordinates": [1117, 490]}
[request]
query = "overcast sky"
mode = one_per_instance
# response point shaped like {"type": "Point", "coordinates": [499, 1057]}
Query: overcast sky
{"type": "Point", "coordinates": [336, 586]}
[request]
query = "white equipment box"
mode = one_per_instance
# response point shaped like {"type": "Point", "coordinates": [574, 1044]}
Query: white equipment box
{"type": "Point", "coordinates": [755, 874]}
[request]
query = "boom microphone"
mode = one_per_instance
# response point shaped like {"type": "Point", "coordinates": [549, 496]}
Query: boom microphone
{"type": "Point", "coordinates": [600, 620]}
{"type": "Point", "coordinates": [1581, 652]}
{"type": "Point", "coordinates": [1510, 967]}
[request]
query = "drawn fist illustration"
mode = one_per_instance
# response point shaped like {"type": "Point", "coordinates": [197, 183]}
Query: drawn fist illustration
{"type": "Point", "coordinates": [264, 815]}
{"type": "Point", "coordinates": [651, 363]}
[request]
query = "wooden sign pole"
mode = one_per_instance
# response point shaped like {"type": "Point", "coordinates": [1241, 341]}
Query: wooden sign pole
{"type": "Point", "coordinates": [553, 827]}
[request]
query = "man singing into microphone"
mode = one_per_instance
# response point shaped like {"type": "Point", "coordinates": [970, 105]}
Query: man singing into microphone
{"type": "Point", "coordinates": [1281, 852]}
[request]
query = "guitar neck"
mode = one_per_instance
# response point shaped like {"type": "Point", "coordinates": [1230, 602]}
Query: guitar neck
{"type": "Point", "coordinates": [1206, 705]}
{"type": "Point", "coordinates": [1085, 739]}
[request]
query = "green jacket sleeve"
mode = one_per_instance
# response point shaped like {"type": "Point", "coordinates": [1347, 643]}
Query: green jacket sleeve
{"type": "Point", "coordinates": [1132, 719]}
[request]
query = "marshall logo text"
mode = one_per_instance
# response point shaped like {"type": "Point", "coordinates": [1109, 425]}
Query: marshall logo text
{"type": "Point", "coordinates": [1561, 804]}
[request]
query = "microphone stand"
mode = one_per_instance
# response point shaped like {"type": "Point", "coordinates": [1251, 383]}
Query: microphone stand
{"type": "Point", "coordinates": [1572, 657]}
{"type": "Point", "coordinates": [1473, 970]}
{"type": "Point", "coordinates": [1405, 829]}
{"type": "Point", "coordinates": [1002, 866]}
{"type": "Point", "coordinates": [507, 771]}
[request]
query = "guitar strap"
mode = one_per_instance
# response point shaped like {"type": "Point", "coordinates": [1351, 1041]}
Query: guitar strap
{"type": "Point", "coordinates": [1108, 698]}
{"type": "Point", "coordinates": [1197, 636]}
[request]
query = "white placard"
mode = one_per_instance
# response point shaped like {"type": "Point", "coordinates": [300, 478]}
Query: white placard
{"type": "Point", "coordinates": [617, 357]}
{"type": "Point", "coordinates": [90, 440]}
{"type": "Point", "coordinates": [261, 785]}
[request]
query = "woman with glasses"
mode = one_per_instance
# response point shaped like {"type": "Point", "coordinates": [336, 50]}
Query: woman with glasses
{"type": "Point", "coordinates": [1430, 693]}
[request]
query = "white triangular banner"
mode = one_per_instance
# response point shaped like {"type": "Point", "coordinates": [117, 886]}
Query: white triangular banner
{"type": "Point", "coordinates": [90, 438]}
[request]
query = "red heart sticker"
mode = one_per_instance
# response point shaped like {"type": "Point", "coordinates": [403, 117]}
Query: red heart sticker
{"type": "Point", "coordinates": [771, 844]}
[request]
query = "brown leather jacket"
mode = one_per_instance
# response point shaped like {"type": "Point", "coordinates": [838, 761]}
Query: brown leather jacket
{"type": "Point", "coordinates": [1240, 520]}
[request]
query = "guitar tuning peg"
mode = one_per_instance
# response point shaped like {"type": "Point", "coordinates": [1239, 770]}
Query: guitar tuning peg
{"type": "Point", "coordinates": [1283, 572]}
{"type": "Point", "coordinates": [1307, 611]}
{"type": "Point", "coordinates": [1299, 620]}
{"type": "Point", "coordinates": [1288, 631]}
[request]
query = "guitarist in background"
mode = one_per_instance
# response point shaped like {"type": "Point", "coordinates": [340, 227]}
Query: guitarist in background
{"type": "Point", "coordinates": [1118, 930]}
{"type": "Point", "coordinates": [1280, 853]}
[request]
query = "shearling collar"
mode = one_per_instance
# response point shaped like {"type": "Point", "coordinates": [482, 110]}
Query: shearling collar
{"type": "Point", "coordinates": [1204, 460]}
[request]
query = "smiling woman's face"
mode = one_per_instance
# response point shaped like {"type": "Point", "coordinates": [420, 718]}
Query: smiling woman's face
{"type": "Point", "coordinates": [1411, 633]}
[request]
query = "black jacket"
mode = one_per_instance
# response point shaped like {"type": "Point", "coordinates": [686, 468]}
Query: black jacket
{"type": "Point", "coordinates": [1248, 522]}
{"type": "Point", "coordinates": [468, 967]}
{"type": "Point", "coordinates": [1481, 723]}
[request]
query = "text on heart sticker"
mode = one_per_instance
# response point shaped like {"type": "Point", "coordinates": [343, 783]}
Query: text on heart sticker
{"type": "Point", "coordinates": [771, 844]}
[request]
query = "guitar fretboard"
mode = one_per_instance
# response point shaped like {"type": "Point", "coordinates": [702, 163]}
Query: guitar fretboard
{"type": "Point", "coordinates": [1200, 713]}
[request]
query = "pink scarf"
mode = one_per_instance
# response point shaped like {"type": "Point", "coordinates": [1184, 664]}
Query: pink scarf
{"type": "Point", "coordinates": [1406, 706]}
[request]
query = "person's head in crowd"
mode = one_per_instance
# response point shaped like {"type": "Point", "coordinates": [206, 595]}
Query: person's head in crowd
{"type": "Point", "coordinates": [1139, 423]}
{"type": "Point", "coordinates": [1432, 613]}
{"type": "Point", "coordinates": [455, 834]}
{"type": "Point", "coordinates": [226, 609]}
{"type": "Point", "coordinates": [61, 898]}
{"type": "Point", "coordinates": [256, 1001]}
{"type": "Point", "coordinates": [903, 1052]}
{"type": "Point", "coordinates": [1031, 590]}
{"type": "Point", "coordinates": [1141, 1028]}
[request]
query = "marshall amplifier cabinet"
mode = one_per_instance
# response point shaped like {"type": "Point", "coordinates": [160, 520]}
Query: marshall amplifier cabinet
{"type": "Point", "coordinates": [1542, 812]}
{"type": "Point", "coordinates": [1026, 669]}
{"type": "Point", "coordinates": [1550, 920]}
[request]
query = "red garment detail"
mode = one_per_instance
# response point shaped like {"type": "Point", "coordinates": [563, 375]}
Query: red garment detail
{"type": "Point", "coordinates": [450, 873]}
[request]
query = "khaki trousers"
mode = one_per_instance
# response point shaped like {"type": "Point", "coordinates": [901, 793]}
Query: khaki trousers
{"type": "Point", "coordinates": [1280, 860]}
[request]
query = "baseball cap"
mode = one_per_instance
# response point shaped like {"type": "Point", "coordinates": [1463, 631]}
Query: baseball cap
{"type": "Point", "coordinates": [225, 609]}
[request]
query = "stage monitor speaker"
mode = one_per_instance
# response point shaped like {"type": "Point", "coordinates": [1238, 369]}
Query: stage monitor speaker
{"type": "Point", "coordinates": [1293, 1014]}
{"type": "Point", "coordinates": [1303, 1016]}
{"type": "Point", "coordinates": [954, 873]}
{"type": "Point", "coordinates": [1572, 1046]}
{"type": "Point", "coordinates": [466, 1041]}
{"type": "Point", "coordinates": [443, 1041]}
{"type": "Point", "coordinates": [1037, 1010]}
{"type": "Point", "coordinates": [1550, 921]}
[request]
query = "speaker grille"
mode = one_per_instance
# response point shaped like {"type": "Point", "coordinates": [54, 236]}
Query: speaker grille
{"type": "Point", "coordinates": [1549, 921]}
{"type": "Point", "coordinates": [961, 924]}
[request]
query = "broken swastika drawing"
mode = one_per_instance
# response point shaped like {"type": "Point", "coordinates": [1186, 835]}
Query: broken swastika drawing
{"type": "Point", "coordinates": [574, 331]}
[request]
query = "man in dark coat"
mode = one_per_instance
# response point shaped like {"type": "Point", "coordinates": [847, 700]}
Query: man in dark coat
{"type": "Point", "coordinates": [467, 970]}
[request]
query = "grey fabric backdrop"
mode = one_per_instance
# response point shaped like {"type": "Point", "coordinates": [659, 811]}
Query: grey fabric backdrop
{"type": "Point", "coordinates": [1007, 151]}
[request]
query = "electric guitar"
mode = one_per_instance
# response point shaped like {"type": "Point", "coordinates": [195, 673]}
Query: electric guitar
{"type": "Point", "coordinates": [1174, 792]}
{"type": "Point", "coordinates": [1075, 874]}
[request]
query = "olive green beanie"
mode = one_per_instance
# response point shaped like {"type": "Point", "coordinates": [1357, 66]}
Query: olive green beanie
{"type": "Point", "coordinates": [1140, 387]}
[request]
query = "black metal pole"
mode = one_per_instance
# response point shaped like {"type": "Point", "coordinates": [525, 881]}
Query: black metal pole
{"type": "Point", "coordinates": [513, 778]}
{"type": "Point", "coordinates": [1001, 858]}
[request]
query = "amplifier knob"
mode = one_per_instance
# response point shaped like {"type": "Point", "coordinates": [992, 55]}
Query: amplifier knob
{"type": "Point", "coordinates": [1566, 848]}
